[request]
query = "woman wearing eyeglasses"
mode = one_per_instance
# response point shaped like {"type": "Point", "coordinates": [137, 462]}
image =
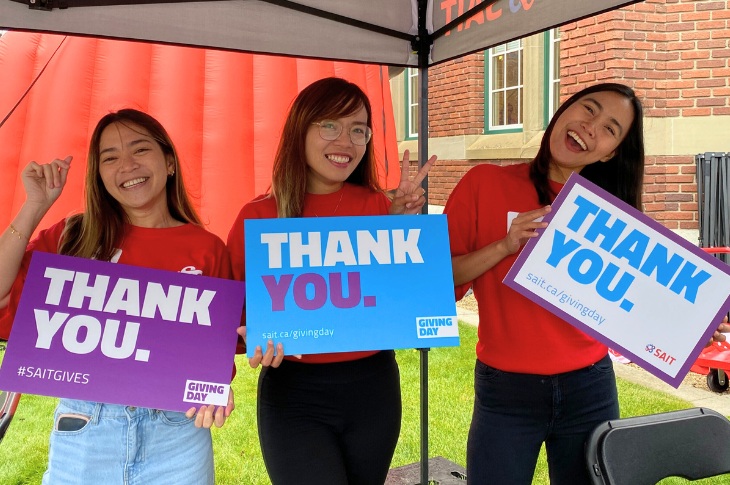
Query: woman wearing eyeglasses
{"type": "Point", "coordinates": [327, 418]}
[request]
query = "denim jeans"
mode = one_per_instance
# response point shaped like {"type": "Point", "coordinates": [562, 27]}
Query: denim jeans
{"type": "Point", "coordinates": [515, 413]}
{"type": "Point", "coordinates": [126, 445]}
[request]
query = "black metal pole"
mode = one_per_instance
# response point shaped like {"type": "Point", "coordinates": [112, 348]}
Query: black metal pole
{"type": "Point", "coordinates": [424, 415]}
{"type": "Point", "coordinates": [423, 156]}
{"type": "Point", "coordinates": [424, 48]}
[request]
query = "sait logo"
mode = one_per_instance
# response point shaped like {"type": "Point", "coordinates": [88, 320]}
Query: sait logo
{"type": "Point", "coordinates": [660, 354]}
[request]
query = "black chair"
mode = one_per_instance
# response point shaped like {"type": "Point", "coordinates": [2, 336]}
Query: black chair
{"type": "Point", "coordinates": [692, 443]}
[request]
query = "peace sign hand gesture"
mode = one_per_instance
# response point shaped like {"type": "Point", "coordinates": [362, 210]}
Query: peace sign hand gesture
{"type": "Point", "coordinates": [409, 196]}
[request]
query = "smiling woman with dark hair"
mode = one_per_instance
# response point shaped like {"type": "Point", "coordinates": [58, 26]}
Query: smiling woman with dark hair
{"type": "Point", "coordinates": [538, 379]}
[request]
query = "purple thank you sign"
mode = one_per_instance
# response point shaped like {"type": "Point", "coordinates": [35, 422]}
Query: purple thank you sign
{"type": "Point", "coordinates": [121, 334]}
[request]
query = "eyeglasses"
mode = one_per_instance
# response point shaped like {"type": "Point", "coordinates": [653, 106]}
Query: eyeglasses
{"type": "Point", "coordinates": [330, 130]}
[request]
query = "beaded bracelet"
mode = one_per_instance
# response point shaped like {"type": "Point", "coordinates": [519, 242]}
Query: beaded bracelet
{"type": "Point", "coordinates": [17, 233]}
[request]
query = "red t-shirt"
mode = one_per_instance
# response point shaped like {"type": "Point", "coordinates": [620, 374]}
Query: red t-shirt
{"type": "Point", "coordinates": [187, 248]}
{"type": "Point", "coordinates": [350, 200]}
{"type": "Point", "coordinates": [515, 334]}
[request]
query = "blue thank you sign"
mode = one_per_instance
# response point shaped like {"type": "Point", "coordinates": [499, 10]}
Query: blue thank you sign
{"type": "Point", "coordinates": [340, 284]}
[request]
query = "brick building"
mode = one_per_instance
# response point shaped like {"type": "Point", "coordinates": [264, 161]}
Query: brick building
{"type": "Point", "coordinates": [493, 106]}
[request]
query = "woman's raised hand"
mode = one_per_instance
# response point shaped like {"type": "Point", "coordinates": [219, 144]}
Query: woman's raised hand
{"type": "Point", "coordinates": [44, 182]}
{"type": "Point", "coordinates": [409, 196]}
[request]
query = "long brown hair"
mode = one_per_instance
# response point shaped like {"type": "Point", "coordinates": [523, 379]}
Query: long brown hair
{"type": "Point", "coordinates": [328, 98]}
{"type": "Point", "coordinates": [95, 232]}
{"type": "Point", "coordinates": [622, 175]}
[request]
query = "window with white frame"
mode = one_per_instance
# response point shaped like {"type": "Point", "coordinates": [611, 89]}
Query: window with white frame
{"type": "Point", "coordinates": [505, 87]}
{"type": "Point", "coordinates": [411, 76]}
{"type": "Point", "coordinates": [553, 69]}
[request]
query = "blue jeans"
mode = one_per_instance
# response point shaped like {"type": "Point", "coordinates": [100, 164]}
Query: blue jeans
{"type": "Point", "coordinates": [113, 444]}
{"type": "Point", "coordinates": [515, 413]}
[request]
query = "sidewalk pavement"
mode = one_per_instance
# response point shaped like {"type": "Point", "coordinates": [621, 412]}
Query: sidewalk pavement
{"type": "Point", "coordinates": [703, 398]}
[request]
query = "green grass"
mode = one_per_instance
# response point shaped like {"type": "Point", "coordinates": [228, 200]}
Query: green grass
{"type": "Point", "coordinates": [24, 450]}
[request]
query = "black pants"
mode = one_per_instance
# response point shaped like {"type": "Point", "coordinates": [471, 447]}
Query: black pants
{"type": "Point", "coordinates": [334, 424]}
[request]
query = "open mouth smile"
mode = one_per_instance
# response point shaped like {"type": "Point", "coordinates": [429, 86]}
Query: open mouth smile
{"type": "Point", "coordinates": [338, 158]}
{"type": "Point", "coordinates": [134, 182]}
{"type": "Point", "coordinates": [577, 139]}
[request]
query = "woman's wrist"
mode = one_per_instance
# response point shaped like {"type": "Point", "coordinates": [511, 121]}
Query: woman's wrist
{"type": "Point", "coordinates": [17, 233]}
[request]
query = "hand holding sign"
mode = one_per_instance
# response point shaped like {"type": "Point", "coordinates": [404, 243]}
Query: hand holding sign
{"type": "Point", "coordinates": [270, 358]}
{"type": "Point", "coordinates": [209, 415]}
{"type": "Point", "coordinates": [467, 267]}
{"type": "Point", "coordinates": [719, 334]}
{"type": "Point", "coordinates": [523, 227]}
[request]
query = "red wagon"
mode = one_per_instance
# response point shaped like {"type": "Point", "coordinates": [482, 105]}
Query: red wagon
{"type": "Point", "coordinates": [714, 361]}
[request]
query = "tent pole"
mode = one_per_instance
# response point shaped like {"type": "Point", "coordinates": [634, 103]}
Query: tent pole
{"type": "Point", "coordinates": [424, 416]}
{"type": "Point", "coordinates": [423, 47]}
{"type": "Point", "coordinates": [422, 157]}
